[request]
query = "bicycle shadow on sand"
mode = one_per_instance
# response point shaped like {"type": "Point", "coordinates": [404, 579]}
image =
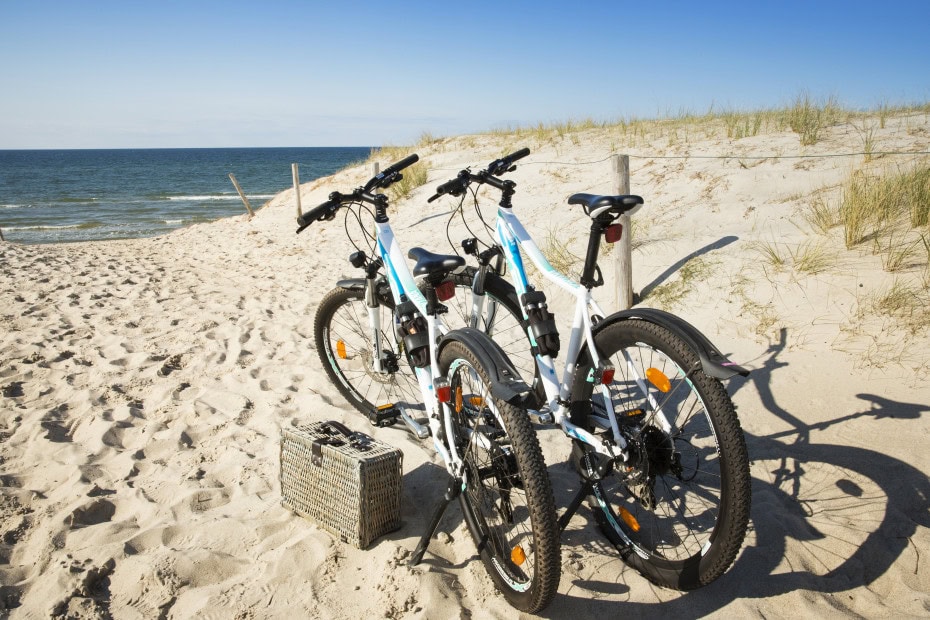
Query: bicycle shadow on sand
{"type": "Point", "coordinates": [825, 518]}
{"type": "Point", "coordinates": [672, 269]}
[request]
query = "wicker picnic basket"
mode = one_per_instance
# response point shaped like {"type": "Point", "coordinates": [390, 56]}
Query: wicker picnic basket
{"type": "Point", "coordinates": [346, 482]}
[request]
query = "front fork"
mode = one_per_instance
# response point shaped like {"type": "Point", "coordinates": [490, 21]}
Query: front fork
{"type": "Point", "coordinates": [374, 322]}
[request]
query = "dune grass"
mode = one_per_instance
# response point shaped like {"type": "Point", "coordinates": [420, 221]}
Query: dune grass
{"type": "Point", "coordinates": [411, 178]}
{"type": "Point", "coordinates": [671, 293]}
{"type": "Point", "coordinates": [809, 257]}
{"type": "Point", "coordinates": [907, 302]}
{"type": "Point", "coordinates": [874, 203]}
{"type": "Point", "coordinates": [808, 118]}
{"type": "Point", "coordinates": [822, 214]}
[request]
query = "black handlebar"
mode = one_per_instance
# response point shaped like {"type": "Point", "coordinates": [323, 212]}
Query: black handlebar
{"type": "Point", "coordinates": [405, 162]}
{"type": "Point", "coordinates": [457, 186]}
{"type": "Point", "coordinates": [383, 180]}
{"type": "Point", "coordinates": [502, 165]}
{"type": "Point", "coordinates": [325, 211]}
{"type": "Point", "coordinates": [391, 174]}
{"type": "Point", "coordinates": [454, 186]}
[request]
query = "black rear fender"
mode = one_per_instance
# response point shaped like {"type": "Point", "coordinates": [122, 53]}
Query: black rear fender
{"type": "Point", "coordinates": [714, 363]}
{"type": "Point", "coordinates": [506, 383]}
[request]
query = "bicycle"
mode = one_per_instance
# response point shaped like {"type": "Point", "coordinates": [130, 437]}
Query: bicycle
{"type": "Point", "coordinates": [655, 435]}
{"type": "Point", "coordinates": [469, 392]}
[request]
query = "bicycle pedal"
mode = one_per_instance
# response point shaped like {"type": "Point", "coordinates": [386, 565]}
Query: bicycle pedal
{"type": "Point", "coordinates": [385, 415]}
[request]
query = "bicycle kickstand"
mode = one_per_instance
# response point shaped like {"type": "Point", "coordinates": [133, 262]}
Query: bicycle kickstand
{"type": "Point", "coordinates": [452, 491]}
{"type": "Point", "coordinates": [583, 492]}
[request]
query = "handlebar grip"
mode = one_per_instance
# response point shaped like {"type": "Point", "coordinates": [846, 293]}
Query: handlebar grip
{"type": "Point", "coordinates": [453, 186]}
{"type": "Point", "coordinates": [407, 161]}
{"type": "Point", "coordinates": [321, 212]}
{"type": "Point", "coordinates": [502, 165]}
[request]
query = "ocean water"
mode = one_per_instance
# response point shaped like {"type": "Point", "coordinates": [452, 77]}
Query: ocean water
{"type": "Point", "coordinates": [53, 196]}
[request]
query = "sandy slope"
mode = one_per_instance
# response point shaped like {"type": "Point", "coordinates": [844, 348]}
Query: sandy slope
{"type": "Point", "coordinates": [145, 384]}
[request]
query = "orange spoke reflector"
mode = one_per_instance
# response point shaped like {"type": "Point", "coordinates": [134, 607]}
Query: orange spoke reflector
{"type": "Point", "coordinates": [518, 556]}
{"type": "Point", "coordinates": [341, 349]}
{"type": "Point", "coordinates": [657, 378]}
{"type": "Point", "coordinates": [476, 401]}
{"type": "Point", "coordinates": [458, 399]}
{"type": "Point", "coordinates": [629, 519]}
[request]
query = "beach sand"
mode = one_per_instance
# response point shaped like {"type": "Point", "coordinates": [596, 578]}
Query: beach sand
{"type": "Point", "coordinates": [145, 384]}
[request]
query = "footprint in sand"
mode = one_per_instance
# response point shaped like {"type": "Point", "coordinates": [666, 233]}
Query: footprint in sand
{"type": "Point", "coordinates": [53, 423]}
{"type": "Point", "coordinates": [13, 390]}
{"type": "Point", "coordinates": [66, 355]}
{"type": "Point", "coordinates": [92, 513]}
{"type": "Point", "coordinates": [173, 363]}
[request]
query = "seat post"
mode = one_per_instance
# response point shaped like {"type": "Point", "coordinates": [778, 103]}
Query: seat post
{"type": "Point", "coordinates": [590, 261]}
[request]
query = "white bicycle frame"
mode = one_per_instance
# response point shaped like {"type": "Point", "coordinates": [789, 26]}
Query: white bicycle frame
{"type": "Point", "coordinates": [403, 285]}
{"type": "Point", "coordinates": [512, 237]}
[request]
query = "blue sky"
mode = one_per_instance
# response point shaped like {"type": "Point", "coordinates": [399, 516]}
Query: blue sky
{"type": "Point", "coordinates": [98, 74]}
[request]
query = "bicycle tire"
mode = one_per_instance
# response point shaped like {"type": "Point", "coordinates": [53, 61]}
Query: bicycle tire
{"type": "Point", "coordinates": [678, 520]}
{"type": "Point", "coordinates": [508, 330]}
{"type": "Point", "coordinates": [507, 498]}
{"type": "Point", "coordinates": [344, 344]}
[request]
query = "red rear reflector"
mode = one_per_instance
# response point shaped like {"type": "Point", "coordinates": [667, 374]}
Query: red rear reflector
{"type": "Point", "coordinates": [443, 391]}
{"type": "Point", "coordinates": [446, 290]}
{"type": "Point", "coordinates": [613, 233]}
{"type": "Point", "coordinates": [607, 376]}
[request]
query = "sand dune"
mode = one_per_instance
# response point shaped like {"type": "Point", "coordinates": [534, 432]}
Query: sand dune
{"type": "Point", "coordinates": [145, 383]}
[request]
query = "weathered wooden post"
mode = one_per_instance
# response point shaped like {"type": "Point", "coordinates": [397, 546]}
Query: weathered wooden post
{"type": "Point", "coordinates": [245, 200]}
{"type": "Point", "coordinates": [375, 169]}
{"type": "Point", "coordinates": [623, 249]}
{"type": "Point", "coordinates": [296, 174]}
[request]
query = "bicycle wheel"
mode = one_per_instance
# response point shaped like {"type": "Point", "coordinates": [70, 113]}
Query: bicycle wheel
{"type": "Point", "coordinates": [507, 501]}
{"type": "Point", "coordinates": [678, 510]}
{"type": "Point", "coordinates": [345, 345]}
{"type": "Point", "coordinates": [501, 319]}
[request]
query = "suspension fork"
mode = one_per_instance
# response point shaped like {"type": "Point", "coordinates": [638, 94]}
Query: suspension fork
{"type": "Point", "coordinates": [374, 322]}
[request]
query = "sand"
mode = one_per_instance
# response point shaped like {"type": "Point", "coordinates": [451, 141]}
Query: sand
{"type": "Point", "coordinates": [145, 384]}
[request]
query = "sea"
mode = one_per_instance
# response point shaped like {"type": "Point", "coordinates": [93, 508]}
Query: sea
{"type": "Point", "coordinates": [62, 196]}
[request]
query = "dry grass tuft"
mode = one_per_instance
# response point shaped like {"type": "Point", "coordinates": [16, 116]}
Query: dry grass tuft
{"type": "Point", "coordinates": [809, 257]}
{"type": "Point", "coordinates": [808, 118]}
{"type": "Point", "coordinates": [411, 178]}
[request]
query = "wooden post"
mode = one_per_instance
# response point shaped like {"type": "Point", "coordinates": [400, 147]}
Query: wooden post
{"type": "Point", "coordinates": [375, 169]}
{"type": "Point", "coordinates": [245, 200]}
{"type": "Point", "coordinates": [295, 172]}
{"type": "Point", "coordinates": [623, 249]}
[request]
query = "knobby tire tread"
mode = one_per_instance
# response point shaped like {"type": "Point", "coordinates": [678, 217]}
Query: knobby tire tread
{"type": "Point", "coordinates": [542, 507]}
{"type": "Point", "coordinates": [733, 517]}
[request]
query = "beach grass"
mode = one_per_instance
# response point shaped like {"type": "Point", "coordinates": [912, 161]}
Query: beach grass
{"type": "Point", "coordinates": [809, 257]}
{"type": "Point", "coordinates": [808, 117]}
{"type": "Point", "coordinates": [412, 177]}
{"type": "Point", "coordinates": [873, 203]}
{"type": "Point", "coordinates": [671, 293]}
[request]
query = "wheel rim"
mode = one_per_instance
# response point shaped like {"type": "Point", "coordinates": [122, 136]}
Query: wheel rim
{"type": "Point", "coordinates": [666, 506]}
{"type": "Point", "coordinates": [497, 502]}
{"type": "Point", "coordinates": [347, 340]}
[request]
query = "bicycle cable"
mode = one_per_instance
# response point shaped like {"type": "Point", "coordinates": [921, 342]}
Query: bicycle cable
{"type": "Point", "coordinates": [369, 239]}
{"type": "Point", "coordinates": [487, 227]}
